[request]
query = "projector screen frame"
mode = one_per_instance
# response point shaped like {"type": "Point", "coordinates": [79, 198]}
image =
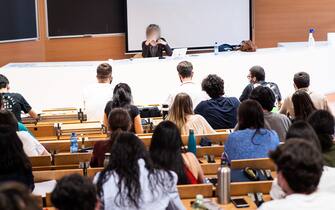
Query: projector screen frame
{"type": "Point", "coordinates": [251, 27]}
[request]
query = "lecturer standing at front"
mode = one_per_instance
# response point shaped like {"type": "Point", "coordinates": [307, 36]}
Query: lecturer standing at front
{"type": "Point", "coordinates": [155, 45]}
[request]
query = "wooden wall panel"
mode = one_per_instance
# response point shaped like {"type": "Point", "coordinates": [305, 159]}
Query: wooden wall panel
{"type": "Point", "coordinates": [287, 20]}
{"type": "Point", "coordinates": [275, 21]}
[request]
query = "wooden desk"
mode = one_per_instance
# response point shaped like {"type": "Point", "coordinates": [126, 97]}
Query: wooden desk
{"type": "Point", "coordinates": [230, 206]}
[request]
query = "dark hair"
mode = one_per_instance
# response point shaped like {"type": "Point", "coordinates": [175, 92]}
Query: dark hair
{"type": "Point", "coordinates": [300, 163]}
{"type": "Point", "coordinates": [213, 85]}
{"type": "Point", "coordinates": [303, 105]}
{"type": "Point", "coordinates": [74, 192]}
{"type": "Point", "coordinates": [301, 80]}
{"type": "Point", "coordinates": [104, 71]}
{"type": "Point", "coordinates": [7, 118]}
{"type": "Point", "coordinates": [185, 69]}
{"type": "Point", "coordinates": [128, 148]}
{"type": "Point", "coordinates": [264, 96]}
{"type": "Point", "coordinates": [303, 130]}
{"type": "Point", "coordinates": [258, 72]}
{"type": "Point", "coordinates": [166, 140]}
{"type": "Point", "coordinates": [1, 101]}
{"type": "Point", "coordinates": [250, 115]}
{"type": "Point", "coordinates": [122, 97]}
{"type": "Point", "coordinates": [15, 196]}
{"type": "Point", "coordinates": [4, 82]}
{"type": "Point", "coordinates": [323, 123]}
{"type": "Point", "coordinates": [119, 119]}
{"type": "Point", "coordinates": [12, 156]}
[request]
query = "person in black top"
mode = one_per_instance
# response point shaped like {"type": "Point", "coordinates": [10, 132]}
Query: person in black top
{"type": "Point", "coordinates": [14, 163]}
{"type": "Point", "coordinates": [256, 78]}
{"type": "Point", "coordinates": [220, 112]}
{"type": "Point", "coordinates": [122, 98]}
{"type": "Point", "coordinates": [14, 102]}
{"type": "Point", "coordinates": [155, 45]}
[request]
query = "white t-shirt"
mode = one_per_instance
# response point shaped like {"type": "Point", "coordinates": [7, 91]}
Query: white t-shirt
{"type": "Point", "coordinates": [315, 201]}
{"type": "Point", "coordinates": [192, 89]}
{"type": "Point", "coordinates": [159, 200]}
{"type": "Point", "coordinates": [327, 184]}
{"type": "Point", "coordinates": [95, 98]}
{"type": "Point", "coordinates": [31, 146]}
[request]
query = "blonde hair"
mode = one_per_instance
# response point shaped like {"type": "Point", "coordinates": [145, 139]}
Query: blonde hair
{"type": "Point", "coordinates": [182, 107]}
{"type": "Point", "coordinates": [151, 28]}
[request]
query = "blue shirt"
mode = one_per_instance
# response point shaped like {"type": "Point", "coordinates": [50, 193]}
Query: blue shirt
{"type": "Point", "coordinates": [243, 144]}
{"type": "Point", "coordinates": [220, 113]}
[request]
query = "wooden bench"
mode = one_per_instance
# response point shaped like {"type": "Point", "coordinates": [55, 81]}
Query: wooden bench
{"type": "Point", "coordinates": [190, 191]}
{"type": "Point", "coordinates": [42, 176]}
{"type": "Point", "coordinates": [41, 162]}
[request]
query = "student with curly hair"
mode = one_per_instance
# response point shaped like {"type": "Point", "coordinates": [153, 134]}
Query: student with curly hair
{"type": "Point", "coordinates": [220, 111]}
{"type": "Point", "coordinates": [75, 192]}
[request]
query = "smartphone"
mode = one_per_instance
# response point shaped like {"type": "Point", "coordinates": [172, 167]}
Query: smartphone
{"type": "Point", "coordinates": [239, 203]}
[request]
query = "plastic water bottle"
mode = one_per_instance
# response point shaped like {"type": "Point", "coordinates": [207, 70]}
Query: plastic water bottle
{"type": "Point", "coordinates": [107, 159]}
{"type": "Point", "coordinates": [311, 40]}
{"type": "Point", "coordinates": [74, 143]}
{"type": "Point", "coordinates": [223, 184]}
{"type": "Point", "coordinates": [216, 48]}
{"type": "Point", "coordinates": [192, 144]}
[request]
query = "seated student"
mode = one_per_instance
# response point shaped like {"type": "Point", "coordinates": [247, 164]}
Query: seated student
{"type": "Point", "coordinates": [119, 121]}
{"type": "Point", "coordinates": [31, 146]}
{"type": "Point", "coordinates": [277, 122]}
{"type": "Point", "coordinates": [130, 180]}
{"type": "Point", "coordinates": [166, 140]}
{"type": "Point", "coordinates": [15, 196]}
{"type": "Point", "coordinates": [220, 111]}
{"type": "Point", "coordinates": [299, 169]}
{"type": "Point", "coordinates": [21, 127]}
{"type": "Point", "coordinates": [97, 95]}
{"type": "Point", "coordinates": [181, 113]}
{"type": "Point", "coordinates": [323, 123]}
{"type": "Point", "coordinates": [302, 130]}
{"type": "Point", "coordinates": [185, 73]}
{"type": "Point", "coordinates": [303, 105]}
{"type": "Point", "coordinates": [75, 192]}
{"type": "Point", "coordinates": [251, 140]}
{"type": "Point", "coordinates": [301, 82]}
{"type": "Point", "coordinates": [122, 98]}
{"type": "Point", "coordinates": [256, 78]}
{"type": "Point", "coordinates": [14, 102]}
{"type": "Point", "coordinates": [14, 163]}
{"type": "Point", "coordinates": [155, 45]}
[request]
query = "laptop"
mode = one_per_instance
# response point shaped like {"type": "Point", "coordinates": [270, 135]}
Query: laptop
{"type": "Point", "coordinates": [180, 52]}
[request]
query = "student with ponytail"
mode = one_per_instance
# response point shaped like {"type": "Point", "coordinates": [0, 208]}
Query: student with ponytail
{"type": "Point", "coordinates": [122, 98]}
{"type": "Point", "coordinates": [118, 122]}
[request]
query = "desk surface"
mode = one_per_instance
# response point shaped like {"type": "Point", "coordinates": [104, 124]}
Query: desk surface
{"type": "Point", "coordinates": [230, 206]}
{"type": "Point", "coordinates": [61, 84]}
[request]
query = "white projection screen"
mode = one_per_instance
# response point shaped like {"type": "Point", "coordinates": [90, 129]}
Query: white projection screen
{"type": "Point", "coordinates": [189, 23]}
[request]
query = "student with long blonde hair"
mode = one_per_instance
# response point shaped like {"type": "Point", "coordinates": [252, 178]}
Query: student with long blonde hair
{"type": "Point", "coordinates": [181, 113]}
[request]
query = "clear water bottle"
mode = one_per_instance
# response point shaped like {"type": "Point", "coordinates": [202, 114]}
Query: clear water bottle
{"type": "Point", "coordinates": [74, 143]}
{"type": "Point", "coordinates": [223, 184]}
{"type": "Point", "coordinates": [216, 48]}
{"type": "Point", "coordinates": [192, 143]}
{"type": "Point", "coordinates": [107, 159]}
{"type": "Point", "coordinates": [311, 40]}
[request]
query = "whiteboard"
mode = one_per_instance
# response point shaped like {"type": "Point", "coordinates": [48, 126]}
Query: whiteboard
{"type": "Point", "coordinates": [189, 23]}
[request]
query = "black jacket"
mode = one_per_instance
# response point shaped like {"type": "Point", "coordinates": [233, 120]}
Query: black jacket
{"type": "Point", "coordinates": [146, 53]}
